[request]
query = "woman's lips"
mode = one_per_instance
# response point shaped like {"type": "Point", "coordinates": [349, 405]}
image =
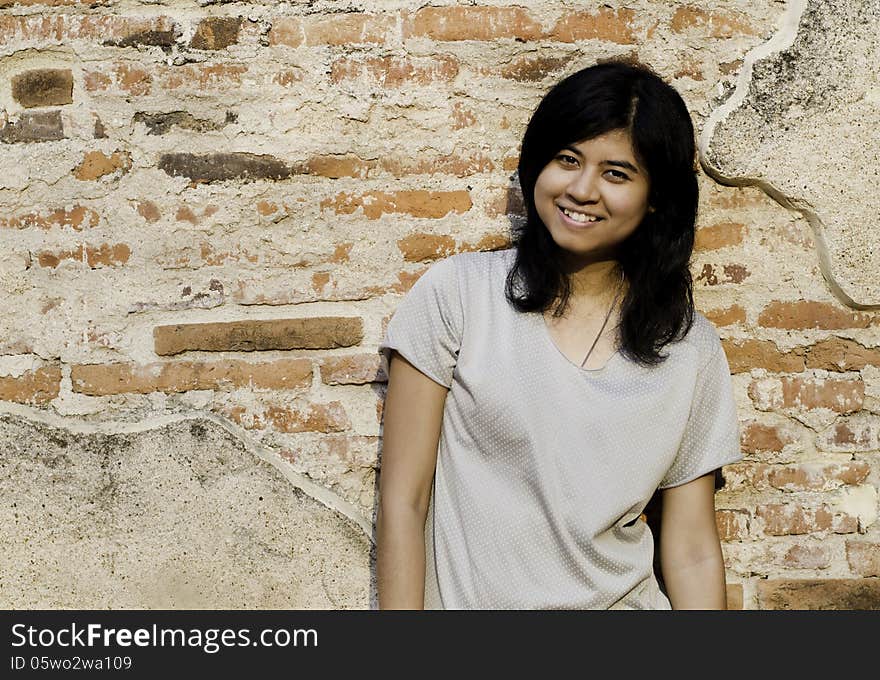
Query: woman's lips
{"type": "Point", "coordinates": [574, 223]}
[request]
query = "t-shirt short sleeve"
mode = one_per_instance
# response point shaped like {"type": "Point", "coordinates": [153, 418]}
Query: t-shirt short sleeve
{"type": "Point", "coordinates": [426, 326]}
{"type": "Point", "coordinates": [712, 436]}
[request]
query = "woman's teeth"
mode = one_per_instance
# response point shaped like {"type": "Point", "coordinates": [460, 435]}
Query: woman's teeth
{"type": "Point", "coordinates": [580, 217]}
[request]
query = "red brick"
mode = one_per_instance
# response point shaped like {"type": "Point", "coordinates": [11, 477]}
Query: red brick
{"type": "Point", "coordinates": [104, 255]}
{"type": "Point", "coordinates": [256, 335]}
{"type": "Point", "coordinates": [183, 376]}
{"type": "Point", "coordinates": [330, 417]}
{"type": "Point", "coordinates": [721, 235]}
{"type": "Point", "coordinates": [349, 29]}
{"type": "Point", "coordinates": [508, 202]}
{"type": "Point", "coordinates": [819, 594]}
{"type": "Point", "coordinates": [732, 525]}
{"type": "Point", "coordinates": [851, 435]}
{"type": "Point", "coordinates": [714, 24]}
{"type": "Point", "coordinates": [787, 519]}
{"type": "Point", "coordinates": [418, 203]}
{"type": "Point", "coordinates": [841, 354]}
{"type": "Point", "coordinates": [809, 477]}
{"type": "Point", "coordinates": [77, 218]}
{"type": "Point", "coordinates": [807, 557]}
{"type": "Point", "coordinates": [729, 273]}
{"type": "Point", "coordinates": [533, 69]}
{"type": "Point", "coordinates": [394, 72]}
{"type": "Point", "coordinates": [744, 355]}
{"type": "Point", "coordinates": [471, 23]}
{"type": "Point", "coordinates": [809, 314]}
{"type": "Point", "coordinates": [357, 369]}
{"type": "Point", "coordinates": [287, 31]}
{"type": "Point", "coordinates": [421, 247]}
{"type": "Point", "coordinates": [607, 25]}
{"type": "Point", "coordinates": [486, 243]}
{"type": "Point", "coordinates": [202, 78]}
{"type": "Point", "coordinates": [843, 396]}
{"type": "Point", "coordinates": [95, 165]}
{"type": "Point", "coordinates": [149, 211]}
{"type": "Point", "coordinates": [726, 316]}
{"type": "Point", "coordinates": [758, 437]}
{"type": "Point", "coordinates": [37, 387]}
{"type": "Point", "coordinates": [863, 557]}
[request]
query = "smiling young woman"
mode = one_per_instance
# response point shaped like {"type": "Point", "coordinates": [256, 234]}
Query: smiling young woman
{"type": "Point", "coordinates": [539, 397]}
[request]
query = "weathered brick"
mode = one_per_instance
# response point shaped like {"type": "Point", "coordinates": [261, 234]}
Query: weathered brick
{"type": "Point", "coordinates": [841, 354]}
{"type": "Point", "coordinates": [330, 417]}
{"type": "Point", "coordinates": [421, 247]}
{"type": "Point", "coordinates": [744, 355]}
{"type": "Point", "coordinates": [807, 557]}
{"type": "Point", "coordinates": [36, 387]}
{"type": "Point", "coordinates": [809, 476]}
{"type": "Point", "coordinates": [203, 78]}
{"type": "Point", "coordinates": [182, 376]}
{"type": "Point", "coordinates": [43, 87]}
{"type": "Point", "coordinates": [349, 29]}
{"type": "Point", "coordinates": [534, 69]}
{"type": "Point", "coordinates": [149, 211]}
{"type": "Point", "coordinates": [856, 433]}
{"type": "Point", "coordinates": [819, 594]}
{"type": "Point", "coordinates": [96, 164]}
{"type": "Point", "coordinates": [33, 126]}
{"type": "Point", "coordinates": [394, 72]}
{"type": "Point", "coordinates": [843, 396]}
{"type": "Point", "coordinates": [716, 24]}
{"type": "Point", "coordinates": [257, 335]}
{"type": "Point", "coordinates": [721, 235]}
{"type": "Point", "coordinates": [810, 314]}
{"type": "Point", "coordinates": [486, 243]}
{"type": "Point", "coordinates": [787, 519]}
{"type": "Point", "coordinates": [77, 218]}
{"type": "Point", "coordinates": [758, 437]}
{"type": "Point", "coordinates": [471, 23]}
{"type": "Point", "coordinates": [734, 596]}
{"type": "Point", "coordinates": [863, 557]}
{"type": "Point", "coordinates": [726, 316]}
{"type": "Point", "coordinates": [418, 203]}
{"type": "Point", "coordinates": [732, 525]}
{"type": "Point", "coordinates": [126, 76]}
{"type": "Point", "coordinates": [353, 166]}
{"type": "Point", "coordinates": [606, 24]}
{"type": "Point", "coordinates": [357, 369]}
{"type": "Point", "coordinates": [730, 273]}
{"type": "Point", "coordinates": [508, 203]}
{"type": "Point", "coordinates": [216, 33]}
{"type": "Point", "coordinates": [160, 123]}
{"type": "Point", "coordinates": [286, 31]}
{"type": "Point", "coordinates": [94, 256]}
{"type": "Point", "coordinates": [220, 167]}
{"type": "Point", "coordinates": [34, 29]}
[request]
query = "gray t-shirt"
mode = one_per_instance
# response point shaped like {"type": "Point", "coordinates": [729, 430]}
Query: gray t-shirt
{"type": "Point", "coordinates": [544, 466]}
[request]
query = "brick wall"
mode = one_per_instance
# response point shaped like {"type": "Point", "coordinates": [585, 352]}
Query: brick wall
{"type": "Point", "coordinates": [216, 207]}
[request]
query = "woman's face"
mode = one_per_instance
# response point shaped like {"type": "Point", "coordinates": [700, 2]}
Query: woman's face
{"type": "Point", "coordinates": [592, 195]}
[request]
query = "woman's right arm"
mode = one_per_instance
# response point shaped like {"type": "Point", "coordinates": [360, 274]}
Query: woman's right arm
{"type": "Point", "coordinates": [412, 419]}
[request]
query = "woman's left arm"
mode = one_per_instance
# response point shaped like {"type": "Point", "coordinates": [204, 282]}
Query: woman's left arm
{"type": "Point", "coordinates": [690, 551]}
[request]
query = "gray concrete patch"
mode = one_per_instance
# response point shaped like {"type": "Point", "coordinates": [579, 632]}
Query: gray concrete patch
{"type": "Point", "coordinates": [803, 124]}
{"type": "Point", "coordinates": [181, 516]}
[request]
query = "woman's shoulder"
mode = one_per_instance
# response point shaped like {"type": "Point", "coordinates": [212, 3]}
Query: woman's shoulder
{"type": "Point", "coordinates": [702, 338]}
{"type": "Point", "coordinates": [472, 267]}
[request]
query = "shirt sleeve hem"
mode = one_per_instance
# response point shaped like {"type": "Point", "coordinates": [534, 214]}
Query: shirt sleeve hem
{"type": "Point", "coordinates": [728, 460]}
{"type": "Point", "coordinates": [405, 353]}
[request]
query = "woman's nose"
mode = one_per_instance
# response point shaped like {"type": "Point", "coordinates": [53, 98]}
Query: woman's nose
{"type": "Point", "coordinates": [584, 186]}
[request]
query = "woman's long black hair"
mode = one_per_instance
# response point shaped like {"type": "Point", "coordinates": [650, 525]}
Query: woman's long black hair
{"type": "Point", "coordinates": [658, 307]}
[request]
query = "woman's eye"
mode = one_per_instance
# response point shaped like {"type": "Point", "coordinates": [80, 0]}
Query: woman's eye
{"type": "Point", "coordinates": [567, 159]}
{"type": "Point", "coordinates": [618, 175]}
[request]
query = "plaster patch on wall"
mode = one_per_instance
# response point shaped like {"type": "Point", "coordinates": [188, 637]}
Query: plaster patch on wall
{"type": "Point", "coordinates": [178, 516]}
{"type": "Point", "coordinates": [802, 126]}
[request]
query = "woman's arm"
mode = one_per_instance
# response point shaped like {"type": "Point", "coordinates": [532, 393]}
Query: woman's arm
{"type": "Point", "coordinates": [690, 551]}
{"type": "Point", "coordinates": [411, 433]}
